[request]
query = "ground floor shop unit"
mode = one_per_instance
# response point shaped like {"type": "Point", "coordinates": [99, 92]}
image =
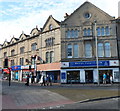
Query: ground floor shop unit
{"type": "Point", "coordinates": [86, 72]}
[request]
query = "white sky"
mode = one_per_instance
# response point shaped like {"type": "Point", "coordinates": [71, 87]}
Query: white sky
{"type": "Point", "coordinates": [23, 15]}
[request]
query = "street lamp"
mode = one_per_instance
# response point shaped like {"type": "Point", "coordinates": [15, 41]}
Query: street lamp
{"type": "Point", "coordinates": [96, 42]}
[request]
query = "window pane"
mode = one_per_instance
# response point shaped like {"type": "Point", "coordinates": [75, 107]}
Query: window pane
{"type": "Point", "coordinates": [98, 31]}
{"type": "Point", "coordinates": [85, 32]}
{"type": "Point", "coordinates": [103, 31]}
{"type": "Point", "coordinates": [51, 56]}
{"type": "Point", "coordinates": [75, 50]}
{"type": "Point", "coordinates": [76, 33]}
{"type": "Point", "coordinates": [88, 50]}
{"type": "Point", "coordinates": [107, 31]}
{"type": "Point", "coordinates": [107, 50]}
{"type": "Point", "coordinates": [89, 32]}
{"type": "Point", "coordinates": [69, 51]}
{"type": "Point", "coordinates": [100, 50]}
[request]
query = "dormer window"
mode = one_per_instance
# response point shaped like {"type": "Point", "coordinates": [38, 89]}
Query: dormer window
{"type": "Point", "coordinates": [50, 27]}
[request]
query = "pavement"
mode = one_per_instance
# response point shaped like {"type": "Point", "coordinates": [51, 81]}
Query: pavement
{"type": "Point", "coordinates": [19, 96]}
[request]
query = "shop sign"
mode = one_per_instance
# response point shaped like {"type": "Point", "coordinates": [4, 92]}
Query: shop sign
{"type": "Point", "coordinates": [114, 63]}
{"type": "Point", "coordinates": [25, 67]}
{"type": "Point", "coordinates": [88, 63]}
{"type": "Point", "coordinates": [14, 68]}
{"type": "Point", "coordinates": [64, 64]}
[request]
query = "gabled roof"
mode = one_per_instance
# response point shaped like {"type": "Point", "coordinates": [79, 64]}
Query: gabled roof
{"type": "Point", "coordinates": [23, 36]}
{"type": "Point", "coordinates": [47, 21]}
{"type": "Point", "coordinates": [90, 5]}
{"type": "Point", "coordinates": [6, 43]}
{"type": "Point", "coordinates": [14, 39]}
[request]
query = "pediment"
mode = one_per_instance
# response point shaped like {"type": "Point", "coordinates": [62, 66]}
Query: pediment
{"type": "Point", "coordinates": [13, 40]}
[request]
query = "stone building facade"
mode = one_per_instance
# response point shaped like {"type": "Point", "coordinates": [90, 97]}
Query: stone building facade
{"type": "Point", "coordinates": [69, 51]}
{"type": "Point", "coordinates": [83, 33]}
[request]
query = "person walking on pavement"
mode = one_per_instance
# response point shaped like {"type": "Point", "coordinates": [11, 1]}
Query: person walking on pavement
{"type": "Point", "coordinates": [27, 83]}
{"type": "Point", "coordinates": [111, 79]}
{"type": "Point", "coordinates": [104, 78]}
{"type": "Point", "coordinates": [49, 82]}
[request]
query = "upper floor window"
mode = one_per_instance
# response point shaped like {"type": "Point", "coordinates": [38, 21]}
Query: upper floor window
{"type": "Point", "coordinates": [21, 61]}
{"type": "Point", "coordinates": [88, 50]}
{"type": "Point", "coordinates": [12, 52]}
{"type": "Point", "coordinates": [5, 54]}
{"type": "Point", "coordinates": [47, 57]}
{"type": "Point", "coordinates": [50, 27]}
{"type": "Point", "coordinates": [100, 50]}
{"type": "Point", "coordinates": [75, 50]}
{"type": "Point", "coordinates": [72, 33]}
{"type": "Point", "coordinates": [34, 46]}
{"type": "Point", "coordinates": [98, 31]}
{"type": "Point", "coordinates": [69, 51]}
{"type": "Point", "coordinates": [12, 63]}
{"type": "Point", "coordinates": [49, 42]}
{"type": "Point", "coordinates": [102, 31]}
{"type": "Point", "coordinates": [22, 50]}
{"type": "Point", "coordinates": [51, 56]}
{"type": "Point", "coordinates": [87, 32]}
{"type": "Point", "coordinates": [107, 50]}
{"type": "Point", "coordinates": [107, 30]}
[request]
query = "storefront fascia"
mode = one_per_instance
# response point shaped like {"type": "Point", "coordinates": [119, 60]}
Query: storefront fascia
{"type": "Point", "coordinates": [16, 72]}
{"type": "Point", "coordinates": [86, 66]}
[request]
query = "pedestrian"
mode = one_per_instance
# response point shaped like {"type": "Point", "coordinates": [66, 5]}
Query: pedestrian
{"type": "Point", "coordinates": [104, 78]}
{"type": "Point", "coordinates": [111, 79]}
{"type": "Point", "coordinates": [27, 82]}
{"type": "Point", "coordinates": [32, 79]}
{"type": "Point", "coordinates": [42, 81]}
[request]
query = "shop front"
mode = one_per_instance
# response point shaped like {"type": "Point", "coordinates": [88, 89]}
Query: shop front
{"type": "Point", "coordinates": [86, 71]}
{"type": "Point", "coordinates": [15, 72]}
{"type": "Point", "coordinates": [51, 69]}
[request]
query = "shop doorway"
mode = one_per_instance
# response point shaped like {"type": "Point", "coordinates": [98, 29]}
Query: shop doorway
{"type": "Point", "coordinates": [73, 76]}
{"type": "Point", "coordinates": [107, 72]}
{"type": "Point", "coordinates": [89, 76]}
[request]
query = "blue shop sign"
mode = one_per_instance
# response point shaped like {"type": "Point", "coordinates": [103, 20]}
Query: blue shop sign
{"type": "Point", "coordinates": [15, 68]}
{"type": "Point", "coordinates": [88, 64]}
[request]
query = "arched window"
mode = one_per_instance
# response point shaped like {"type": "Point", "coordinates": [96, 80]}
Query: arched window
{"type": "Point", "coordinates": [98, 31]}
{"type": "Point", "coordinates": [88, 50]}
{"type": "Point", "coordinates": [69, 51]}
{"type": "Point", "coordinates": [102, 31]}
{"type": "Point", "coordinates": [76, 33]}
{"type": "Point", "coordinates": [100, 50]}
{"type": "Point", "coordinates": [68, 34]}
{"type": "Point", "coordinates": [51, 56]}
{"type": "Point", "coordinates": [72, 33]}
{"type": "Point", "coordinates": [50, 27]}
{"type": "Point", "coordinates": [89, 32]}
{"type": "Point", "coordinates": [85, 32]}
{"type": "Point", "coordinates": [47, 57]}
{"type": "Point", "coordinates": [107, 50]}
{"type": "Point", "coordinates": [107, 30]}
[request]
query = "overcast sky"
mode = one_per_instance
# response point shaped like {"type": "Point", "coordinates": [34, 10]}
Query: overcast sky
{"type": "Point", "coordinates": [24, 15]}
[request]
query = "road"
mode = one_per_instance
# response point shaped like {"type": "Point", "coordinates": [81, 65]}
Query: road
{"type": "Point", "coordinates": [19, 96]}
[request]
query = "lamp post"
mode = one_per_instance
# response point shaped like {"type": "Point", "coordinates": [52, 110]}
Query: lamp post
{"type": "Point", "coordinates": [96, 42]}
